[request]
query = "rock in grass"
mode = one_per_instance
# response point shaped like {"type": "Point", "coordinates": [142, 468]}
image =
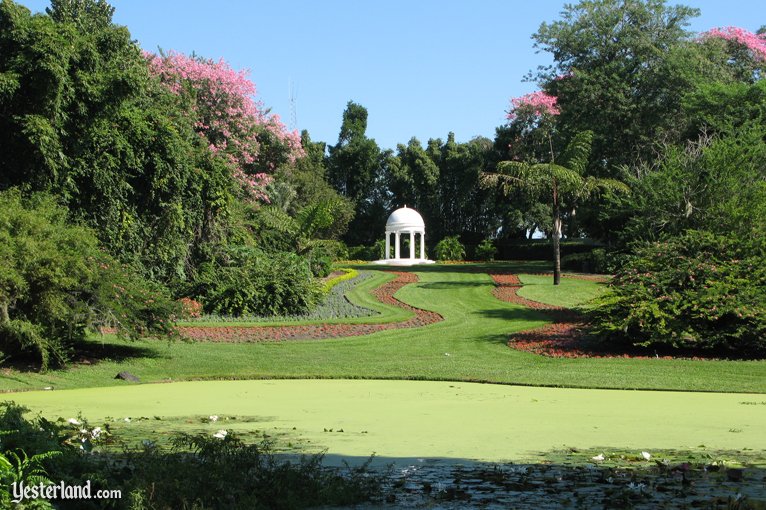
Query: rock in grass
{"type": "Point", "coordinates": [127, 376]}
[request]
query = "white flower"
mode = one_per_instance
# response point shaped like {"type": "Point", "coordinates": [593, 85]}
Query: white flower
{"type": "Point", "coordinates": [646, 455]}
{"type": "Point", "coordinates": [221, 434]}
{"type": "Point", "coordinates": [48, 388]}
{"type": "Point", "coordinates": [73, 421]}
{"type": "Point", "coordinates": [447, 354]}
{"type": "Point", "coordinates": [598, 457]}
{"type": "Point", "coordinates": [127, 420]}
{"type": "Point", "coordinates": [84, 431]}
{"type": "Point", "coordinates": [213, 417]}
{"type": "Point", "coordinates": [96, 432]}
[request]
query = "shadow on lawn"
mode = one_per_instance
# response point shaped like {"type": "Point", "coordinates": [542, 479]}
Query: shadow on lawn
{"type": "Point", "coordinates": [514, 314]}
{"type": "Point", "coordinates": [92, 352]}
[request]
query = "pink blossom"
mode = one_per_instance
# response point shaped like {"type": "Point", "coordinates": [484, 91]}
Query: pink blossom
{"type": "Point", "coordinates": [538, 103]}
{"type": "Point", "coordinates": [234, 124]}
{"type": "Point", "coordinates": [754, 42]}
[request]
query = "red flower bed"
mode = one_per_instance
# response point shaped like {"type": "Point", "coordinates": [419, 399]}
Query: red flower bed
{"type": "Point", "coordinates": [384, 293]}
{"type": "Point", "coordinates": [561, 339]}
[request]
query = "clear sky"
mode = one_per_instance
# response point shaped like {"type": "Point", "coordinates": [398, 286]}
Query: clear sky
{"type": "Point", "coordinates": [421, 67]}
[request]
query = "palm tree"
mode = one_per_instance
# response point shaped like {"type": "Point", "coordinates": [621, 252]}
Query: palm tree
{"type": "Point", "coordinates": [562, 182]}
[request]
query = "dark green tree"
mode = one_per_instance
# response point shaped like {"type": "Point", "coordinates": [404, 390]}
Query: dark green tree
{"type": "Point", "coordinates": [412, 179]}
{"type": "Point", "coordinates": [81, 117]}
{"type": "Point", "coordinates": [87, 15]}
{"type": "Point", "coordinates": [355, 169]}
{"type": "Point", "coordinates": [609, 74]}
{"type": "Point", "coordinates": [56, 284]}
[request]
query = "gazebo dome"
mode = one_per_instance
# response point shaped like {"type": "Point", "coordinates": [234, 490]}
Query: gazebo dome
{"type": "Point", "coordinates": [405, 219]}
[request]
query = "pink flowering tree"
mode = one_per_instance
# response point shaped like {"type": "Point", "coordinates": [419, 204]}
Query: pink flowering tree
{"type": "Point", "coordinates": [233, 124]}
{"type": "Point", "coordinates": [531, 126]}
{"type": "Point", "coordinates": [537, 104]}
{"type": "Point", "coordinates": [754, 43]}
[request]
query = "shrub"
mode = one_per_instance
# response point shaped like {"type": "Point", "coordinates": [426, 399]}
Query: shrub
{"type": "Point", "coordinates": [486, 250]}
{"type": "Point", "coordinates": [248, 281]}
{"type": "Point", "coordinates": [450, 248]}
{"type": "Point", "coordinates": [698, 292]}
{"type": "Point", "coordinates": [55, 284]}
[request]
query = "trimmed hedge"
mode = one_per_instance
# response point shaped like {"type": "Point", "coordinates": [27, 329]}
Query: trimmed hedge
{"type": "Point", "coordinates": [540, 249]}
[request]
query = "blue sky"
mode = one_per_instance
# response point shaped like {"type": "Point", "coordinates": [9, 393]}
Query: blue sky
{"type": "Point", "coordinates": [421, 67]}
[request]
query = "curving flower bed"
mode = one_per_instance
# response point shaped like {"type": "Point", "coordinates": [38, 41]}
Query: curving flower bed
{"type": "Point", "coordinates": [563, 338]}
{"type": "Point", "coordinates": [384, 293]}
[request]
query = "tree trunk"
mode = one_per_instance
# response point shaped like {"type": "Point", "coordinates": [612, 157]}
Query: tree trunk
{"type": "Point", "coordinates": [4, 317]}
{"type": "Point", "coordinates": [556, 237]}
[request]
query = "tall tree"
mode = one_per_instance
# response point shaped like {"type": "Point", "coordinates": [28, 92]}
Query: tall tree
{"type": "Point", "coordinates": [81, 117]}
{"type": "Point", "coordinates": [355, 169]}
{"type": "Point", "coordinates": [562, 182]}
{"type": "Point", "coordinates": [609, 74]}
{"type": "Point", "coordinates": [87, 15]}
{"type": "Point", "coordinates": [413, 178]}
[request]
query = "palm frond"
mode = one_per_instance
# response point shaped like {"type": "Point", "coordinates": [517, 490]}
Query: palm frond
{"type": "Point", "coordinates": [277, 219]}
{"type": "Point", "coordinates": [593, 184]}
{"type": "Point", "coordinates": [577, 153]}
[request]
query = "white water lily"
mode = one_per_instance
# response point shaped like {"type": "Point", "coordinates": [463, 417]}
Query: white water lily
{"type": "Point", "coordinates": [646, 455]}
{"type": "Point", "coordinates": [73, 421]}
{"type": "Point", "coordinates": [221, 434]}
{"type": "Point", "coordinates": [598, 457]}
{"type": "Point", "coordinates": [213, 417]}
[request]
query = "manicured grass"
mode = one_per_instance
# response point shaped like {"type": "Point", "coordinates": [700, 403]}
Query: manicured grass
{"type": "Point", "coordinates": [569, 293]}
{"type": "Point", "coordinates": [406, 419]}
{"type": "Point", "coordinates": [469, 345]}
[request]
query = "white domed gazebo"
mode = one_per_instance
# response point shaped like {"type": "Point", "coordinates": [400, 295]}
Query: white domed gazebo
{"type": "Point", "coordinates": [405, 221]}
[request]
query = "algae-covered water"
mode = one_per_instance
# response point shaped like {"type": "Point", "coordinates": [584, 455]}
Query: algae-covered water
{"type": "Point", "coordinates": [423, 419]}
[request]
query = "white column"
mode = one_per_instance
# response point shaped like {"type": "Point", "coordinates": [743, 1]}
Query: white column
{"type": "Point", "coordinates": [388, 245]}
{"type": "Point", "coordinates": [412, 244]}
{"type": "Point", "coordinates": [423, 245]}
{"type": "Point", "coordinates": [396, 245]}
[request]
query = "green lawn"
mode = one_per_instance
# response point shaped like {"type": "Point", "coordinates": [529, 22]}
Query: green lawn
{"type": "Point", "coordinates": [469, 345]}
{"type": "Point", "coordinates": [570, 293]}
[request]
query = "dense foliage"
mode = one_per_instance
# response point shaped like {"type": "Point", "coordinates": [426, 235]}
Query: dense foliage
{"type": "Point", "coordinates": [81, 117]}
{"type": "Point", "coordinates": [252, 282]}
{"type": "Point", "coordinates": [56, 284]}
{"type": "Point", "coordinates": [697, 291]}
{"type": "Point", "coordinates": [198, 471]}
